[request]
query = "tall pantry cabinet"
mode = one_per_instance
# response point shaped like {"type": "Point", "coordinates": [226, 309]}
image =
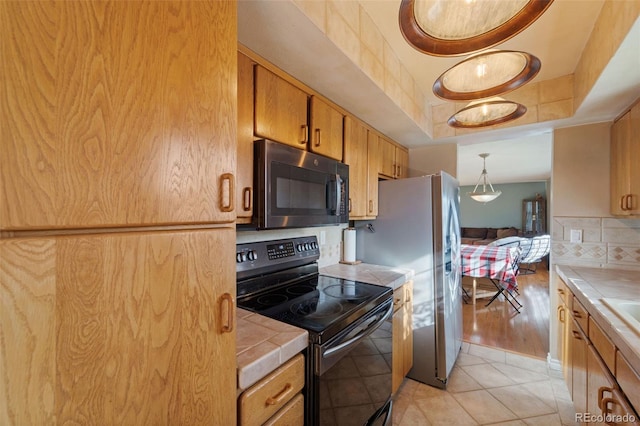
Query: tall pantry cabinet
{"type": "Point", "coordinates": [117, 210]}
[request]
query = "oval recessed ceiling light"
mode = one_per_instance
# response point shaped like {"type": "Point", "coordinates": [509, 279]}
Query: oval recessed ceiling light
{"type": "Point", "coordinates": [458, 27]}
{"type": "Point", "coordinates": [487, 74]}
{"type": "Point", "coordinates": [487, 112]}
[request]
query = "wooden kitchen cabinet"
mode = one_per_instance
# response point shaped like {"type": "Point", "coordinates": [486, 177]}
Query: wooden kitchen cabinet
{"type": "Point", "coordinates": [578, 350]}
{"type": "Point", "coordinates": [402, 163]}
{"type": "Point", "coordinates": [118, 328]}
{"type": "Point", "coordinates": [280, 110]}
{"type": "Point", "coordinates": [372, 173]}
{"type": "Point", "coordinates": [402, 334]}
{"type": "Point", "coordinates": [244, 171]}
{"type": "Point", "coordinates": [629, 380]}
{"type": "Point", "coordinates": [563, 316]}
{"type": "Point", "coordinates": [326, 129]}
{"type": "Point", "coordinates": [625, 164]}
{"type": "Point", "coordinates": [355, 155]}
{"type": "Point", "coordinates": [266, 401]}
{"type": "Point", "coordinates": [103, 127]}
{"type": "Point", "coordinates": [386, 158]}
{"type": "Point", "coordinates": [605, 397]}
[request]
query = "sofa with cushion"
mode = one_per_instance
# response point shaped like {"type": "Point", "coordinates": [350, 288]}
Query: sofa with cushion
{"type": "Point", "coordinates": [484, 236]}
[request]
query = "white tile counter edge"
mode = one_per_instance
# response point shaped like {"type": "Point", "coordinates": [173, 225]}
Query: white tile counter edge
{"type": "Point", "coordinates": [387, 276]}
{"type": "Point", "coordinates": [588, 293]}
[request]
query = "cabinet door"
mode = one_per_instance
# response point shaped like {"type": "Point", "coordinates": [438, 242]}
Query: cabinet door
{"type": "Point", "coordinates": [326, 129]}
{"type": "Point", "coordinates": [372, 173]}
{"type": "Point", "coordinates": [620, 171]}
{"type": "Point", "coordinates": [634, 162]}
{"type": "Point", "coordinates": [628, 379]}
{"type": "Point", "coordinates": [578, 351]}
{"type": "Point", "coordinates": [280, 110]}
{"type": "Point", "coordinates": [244, 170]}
{"type": "Point", "coordinates": [397, 373]}
{"type": "Point", "coordinates": [386, 158]}
{"type": "Point", "coordinates": [106, 127]}
{"type": "Point", "coordinates": [402, 163]}
{"type": "Point", "coordinates": [407, 328]}
{"type": "Point", "coordinates": [355, 155]}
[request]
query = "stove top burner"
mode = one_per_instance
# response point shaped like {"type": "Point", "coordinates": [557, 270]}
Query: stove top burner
{"type": "Point", "coordinates": [348, 291]}
{"type": "Point", "coordinates": [310, 309]}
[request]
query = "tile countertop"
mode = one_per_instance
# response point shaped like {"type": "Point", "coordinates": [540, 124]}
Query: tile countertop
{"type": "Point", "coordinates": [590, 285]}
{"type": "Point", "coordinates": [373, 274]}
{"type": "Point", "coordinates": [263, 344]}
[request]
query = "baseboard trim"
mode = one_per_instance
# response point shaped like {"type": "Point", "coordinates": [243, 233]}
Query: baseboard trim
{"type": "Point", "coordinates": [553, 364]}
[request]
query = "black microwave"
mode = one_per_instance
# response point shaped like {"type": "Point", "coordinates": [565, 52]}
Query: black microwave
{"type": "Point", "coordinates": [296, 188]}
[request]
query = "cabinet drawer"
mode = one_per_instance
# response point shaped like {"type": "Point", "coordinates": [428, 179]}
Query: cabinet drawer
{"type": "Point", "coordinates": [265, 398]}
{"type": "Point", "coordinates": [606, 349]}
{"type": "Point", "coordinates": [580, 314]}
{"type": "Point", "coordinates": [291, 414]}
{"type": "Point", "coordinates": [562, 291]}
{"type": "Point", "coordinates": [628, 380]}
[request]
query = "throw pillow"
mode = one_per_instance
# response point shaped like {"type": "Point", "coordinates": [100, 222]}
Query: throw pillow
{"type": "Point", "coordinates": [507, 232]}
{"type": "Point", "coordinates": [475, 232]}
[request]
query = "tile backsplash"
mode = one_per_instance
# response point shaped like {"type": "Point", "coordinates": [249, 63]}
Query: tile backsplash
{"type": "Point", "coordinates": [330, 249]}
{"type": "Point", "coordinates": [606, 242]}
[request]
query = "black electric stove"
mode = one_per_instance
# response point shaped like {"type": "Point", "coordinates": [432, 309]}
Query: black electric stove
{"type": "Point", "coordinates": [280, 279]}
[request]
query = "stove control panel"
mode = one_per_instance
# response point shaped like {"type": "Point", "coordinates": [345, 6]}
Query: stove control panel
{"type": "Point", "coordinates": [255, 258]}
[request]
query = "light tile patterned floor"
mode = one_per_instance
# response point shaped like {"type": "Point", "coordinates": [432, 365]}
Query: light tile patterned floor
{"type": "Point", "coordinates": [488, 386]}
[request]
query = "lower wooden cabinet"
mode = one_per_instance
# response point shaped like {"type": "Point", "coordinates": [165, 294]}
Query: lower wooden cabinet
{"type": "Point", "coordinates": [118, 328]}
{"type": "Point", "coordinates": [267, 400]}
{"type": "Point", "coordinates": [603, 386]}
{"type": "Point", "coordinates": [402, 334]}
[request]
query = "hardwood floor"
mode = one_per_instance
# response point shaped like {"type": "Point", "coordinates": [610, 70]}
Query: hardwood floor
{"type": "Point", "coordinates": [499, 326]}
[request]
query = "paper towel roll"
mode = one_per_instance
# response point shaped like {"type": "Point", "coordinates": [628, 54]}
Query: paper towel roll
{"type": "Point", "coordinates": [349, 245]}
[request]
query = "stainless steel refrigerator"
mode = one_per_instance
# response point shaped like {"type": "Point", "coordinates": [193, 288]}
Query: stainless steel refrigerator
{"type": "Point", "coordinates": [418, 227]}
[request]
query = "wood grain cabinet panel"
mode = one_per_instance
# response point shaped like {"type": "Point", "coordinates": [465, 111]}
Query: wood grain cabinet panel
{"type": "Point", "coordinates": [264, 399]}
{"type": "Point", "coordinates": [326, 129]}
{"type": "Point", "coordinates": [402, 163]}
{"type": "Point", "coordinates": [629, 380]}
{"type": "Point", "coordinates": [120, 328]}
{"type": "Point", "coordinates": [117, 113]}
{"type": "Point", "coordinates": [386, 158]}
{"type": "Point", "coordinates": [355, 155]}
{"type": "Point", "coordinates": [244, 173]}
{"type": "Point", "coordinates": [280, 112]}
{"type": "Point", "coordinates": [625, 164]}
{"type": "Point", "coordinates": [604, 346]}
{"type": "Point", "coordinates": [578, 350]}
{"type": "Point", "coordinates": [373, 165]}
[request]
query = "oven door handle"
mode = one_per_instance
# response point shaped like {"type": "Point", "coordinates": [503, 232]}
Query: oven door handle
{"type": "Point", "coordinates": [371, 327]}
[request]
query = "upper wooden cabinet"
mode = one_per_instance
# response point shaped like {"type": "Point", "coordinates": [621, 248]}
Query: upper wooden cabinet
{"type": "Point", "coordinates": [355, 155]}
{"type": "Point", "coordinates": [280, 109]}
{"type": "Point", "coordinates": [373, 166]}
{"type": "Point", "coordinates": [625, 164]}
{"type": "Point", "coordinates": [244, 173]}
{"type": "Point", "coordinates": [386, 158]}
{"type": "Point", "coordinates": [119, 328]}
{"type": "Point", "coordinates": [402, 163]}
{"type": "Point", "coordinates": [105, 127]}
{"type": "Point", "coordinates": [326, 129]}
{"type": "Point", "coordinates": [394, 160]}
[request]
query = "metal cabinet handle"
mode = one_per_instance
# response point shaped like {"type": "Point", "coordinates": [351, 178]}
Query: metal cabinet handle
{"type": "Point", "coordinates": [228, 206]}
{"type": "Point", "coordinates": [305, 134]}
{"type": "Point", "coordinates": [370, 206]}
{"type": "Point", "coordinates": [227, 326]}
{"type": "Point", "coordinates": [577, 314]}
{"type": "Point", "coordinates": [561, 314]}
{"type": "Point", "coordinates": [349, 204]}
{"type": "Point", "coordinates": [623, 206]}
{"type": "Point", "coordinates": [317, 137]}
{"type": "Point", "coordinates": [561, 291]}
{"type": "Point", "coordinates": [629, 201]}
{"type": "Point", "coordinates": [273, 400]}
{"type": "Point", "coordinates": [246, 199]}
{"type": "Point", "coordinates": [576, 335]}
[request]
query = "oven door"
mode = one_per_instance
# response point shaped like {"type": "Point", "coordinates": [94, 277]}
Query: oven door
{"type": "Point", "coordinates": [352, 372]}
{"type": "Point", "coordinates": [296, 188]}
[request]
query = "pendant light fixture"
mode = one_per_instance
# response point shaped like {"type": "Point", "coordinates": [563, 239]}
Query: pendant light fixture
{"type": "Point", "coordinates": [488, 112]}
{"type": "Point", "coordinates": [484, 196]}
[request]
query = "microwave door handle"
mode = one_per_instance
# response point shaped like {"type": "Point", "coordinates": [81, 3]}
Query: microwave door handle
{"type": "Point", "coordinates": [339, 183]}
